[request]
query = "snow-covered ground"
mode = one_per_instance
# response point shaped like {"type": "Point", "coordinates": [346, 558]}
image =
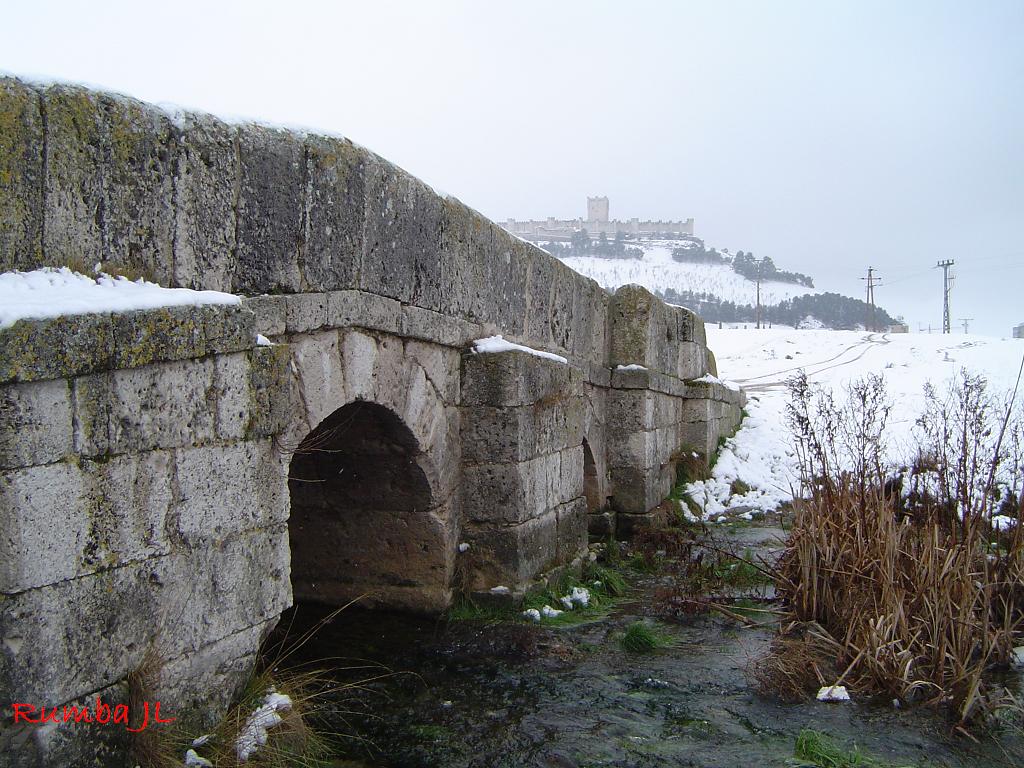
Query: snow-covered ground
{"type": "Point", "coordinates": [760, 454]}
{"type": "Point", "coordinates": [49, 292]}
{"type": "Point", "coordinates": [657, 271]}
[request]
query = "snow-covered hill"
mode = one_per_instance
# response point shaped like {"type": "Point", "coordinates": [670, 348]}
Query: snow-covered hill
{"type": "Point", "coordinates": [760, 454]}
{"type": "Point", "coordinates": [657, 271]}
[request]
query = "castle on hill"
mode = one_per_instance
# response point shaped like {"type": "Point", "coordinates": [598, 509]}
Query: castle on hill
{"type": "Point", "coordinates": [597, 221]}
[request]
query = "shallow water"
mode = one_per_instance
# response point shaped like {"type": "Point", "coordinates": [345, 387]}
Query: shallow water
{"type": "Point", "coordinates": [464, 694]}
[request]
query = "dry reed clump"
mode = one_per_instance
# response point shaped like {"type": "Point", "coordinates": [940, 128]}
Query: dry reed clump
{"type": "Point", "coordinates": [296, 734]}
{"type": "Point", "coordinates": [902, 575]}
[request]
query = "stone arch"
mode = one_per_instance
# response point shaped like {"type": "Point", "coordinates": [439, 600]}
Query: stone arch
{"type": "Point", "coordinates": [398, 397]}
{"type": "Point", "coordinates": [361, 513]}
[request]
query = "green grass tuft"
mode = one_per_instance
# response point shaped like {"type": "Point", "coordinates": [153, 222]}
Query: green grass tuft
{"type": "Point", "coordinates": [641, 637]}
{"type": "Point", "coordinates": [822, 751]}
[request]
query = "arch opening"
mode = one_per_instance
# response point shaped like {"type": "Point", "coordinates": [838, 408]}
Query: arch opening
{"type": "Point", "coordinates": [361, 522]}
{"type": "Point", "coordinates": [591, 481]}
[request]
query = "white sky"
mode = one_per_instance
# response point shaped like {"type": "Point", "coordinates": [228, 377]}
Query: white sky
{"type": "Point", "coordinates": [828, 135]}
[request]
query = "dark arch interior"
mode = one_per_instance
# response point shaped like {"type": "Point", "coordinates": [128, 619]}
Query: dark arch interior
{"type": "Point", "coordinates": [359, 510]}
{"type": "Point", "coordinates": [591, 482]}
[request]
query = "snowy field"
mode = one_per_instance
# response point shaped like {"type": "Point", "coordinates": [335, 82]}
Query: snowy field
{"type": "Point", "coordinates": [657, 271]}
{"type": "Point", "coordinates": [760, 454]}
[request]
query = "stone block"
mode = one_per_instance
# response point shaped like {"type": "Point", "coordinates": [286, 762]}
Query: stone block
{"type": "Point", "coordinates": [65, 520]}
{"type": "Point", "coordinates": [499, 292]}
{"type": "Point", "coordinates": [212, 592]}
{"type": "Point", "coordinates": [630, 312]}
{"type": "Point", "coordinates": [691, 360]}
{"type": "Point", "coordinates": [510, 493]}
{"type": "Point", "coordinates": [498, 435]}
{"type": "Point", "coordinates": [633, 449]}
{"type": "Point", "coordinates": [21, 176]}
{"type": "Point", "coordinates": [632, 378]}
{"type": "Point", "coordinates": [442, 366]}
{"type": "Point", "coordinates": [231, 381]}
{"type": "Point", "coordinates": [689, 326]}
{"type": "Point", "coordinates": [206, 185]}
{"type": "Point", "coordinates": [427, 325]}
{"type": "Point", "coordinates": [269, 210]}
{"type": "Point", "coordinates": [571, 479]}
{"type": "Point", "coordinates": [402, 239]}
{"type": "Point", "coordinates": [695, 410]}
{"type": "Point", "coordinates": [540, 298]}
{"type": "Point", "coordinates": [153, 335]}
{"type": "Point", "coordinates": [357, 309]}
{"type": "Point", "coordinates": [335, 213]}
{"type": "Point", "coordinates": [590, 323]}
{"type": "Point", "coordinates": [35, 423]}
{"type": "Point", "coordinates": [273, 395]}
{"type": "Point", "coordinates": [305, 312]}
{"type": "Point", "coordinates": [198, 687]}
{"type": "Point", "coordinates": [564, 302]}
{"type": "Point", "coordinates": [226, 329]}
{"type": "Point", "coordinates": [56, 641]}
{"type": "Point", "coordinates": [572, 529]}
{"type": "Point", "coordinates": [56, 348]}
{"type": "Point", "coordinates": [511, 555]}
{"type": "Point", "coordinates": [633, 489]}
{"type": "Point", "coordinates": [158, 406]}
{"type": "Point", "coordinates": [226, 489]}
{"type": "Point", "coordinates": [630, 410]}
{"type": "Point", "coordinates": [269, 312]}
{"type": "Point", "coordinates": [601, 525]}
{"type": "Point", "coordinates": [44, 530]}
{"type": "Point", "coordinates": [516, 378]}
{"type": "Point", "coordinates": [110, 169]}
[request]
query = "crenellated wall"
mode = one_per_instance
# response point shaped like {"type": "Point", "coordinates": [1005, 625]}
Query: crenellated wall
{"type": "Point", "coordinates": [167, 482]}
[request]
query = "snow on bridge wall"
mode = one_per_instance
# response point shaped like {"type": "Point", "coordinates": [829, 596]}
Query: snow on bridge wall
{"type": "Point", "coordinates": [167, 482]}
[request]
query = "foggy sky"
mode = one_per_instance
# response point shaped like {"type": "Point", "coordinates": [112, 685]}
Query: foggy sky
{"type": "Point", "coordinates": [830, 136]}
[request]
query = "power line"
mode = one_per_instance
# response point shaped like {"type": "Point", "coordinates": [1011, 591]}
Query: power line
{"type": "Point", "coordinates": [947, 285]}
{"type": "Point", "coordinates": [965, 321]}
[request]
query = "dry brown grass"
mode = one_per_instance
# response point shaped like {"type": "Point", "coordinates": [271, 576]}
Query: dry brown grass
{"type": "Point", "coordinates": [915, 595]}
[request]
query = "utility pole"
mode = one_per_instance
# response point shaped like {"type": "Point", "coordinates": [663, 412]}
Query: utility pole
{"type": "Point", "coordinates": [872, 283]}
{"type": "Point", "coordinates": [947, 284]}
{"type": "Point", "coordinates": [965, 321]}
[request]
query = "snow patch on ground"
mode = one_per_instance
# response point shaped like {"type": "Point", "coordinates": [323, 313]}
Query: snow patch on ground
{"type": "Point", "coordinates": [760, 455]}
{"type": "Point", "coordinates": [48, 292]}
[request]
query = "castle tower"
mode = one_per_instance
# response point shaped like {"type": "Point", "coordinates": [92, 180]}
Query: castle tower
{"type": "Point", "coordinates": [597, 209]}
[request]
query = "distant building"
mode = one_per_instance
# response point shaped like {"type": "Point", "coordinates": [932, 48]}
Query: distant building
{"type": "Point", "coordinates": [899, 328]}
{"type": "Point", "coordinates": [1018, 332]}
{"type": "Point", "coordinates": [596, 222]}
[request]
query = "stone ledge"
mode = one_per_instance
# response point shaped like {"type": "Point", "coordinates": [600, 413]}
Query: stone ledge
{"type": "Point", "coordinates": [74, 345]}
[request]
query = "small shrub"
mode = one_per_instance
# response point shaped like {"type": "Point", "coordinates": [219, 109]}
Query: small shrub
{"type": "Point", "coordinates": [738, 488]}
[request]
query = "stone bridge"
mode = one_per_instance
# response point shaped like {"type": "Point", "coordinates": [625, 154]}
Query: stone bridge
{"type": "Point", "coordinates": [169, 482]}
